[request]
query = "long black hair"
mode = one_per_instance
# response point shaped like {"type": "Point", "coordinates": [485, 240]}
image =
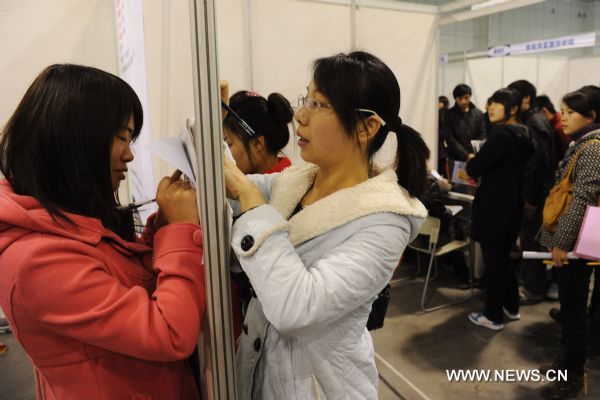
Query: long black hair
{"type": "Point", "coordinates": [361, 80]}
{"type": "Point", "coordinates": [268, 117]}
{"type": "Point", "coordinates": [56, 146]}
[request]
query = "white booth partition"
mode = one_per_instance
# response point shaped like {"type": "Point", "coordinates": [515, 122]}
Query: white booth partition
{"type": "Point", "coordinates": [552, 81]}
{"type": "Point", "coordinates": [484, 75]}
{"type": "Point", "coordinates": [584, 71]}
{"type": "Point", "coordinates": [286, 36]}
{"type": "Point", "coordinates": [407, 43]}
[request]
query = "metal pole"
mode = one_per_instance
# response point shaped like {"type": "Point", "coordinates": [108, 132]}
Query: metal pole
{"type": "Point", "coordinates": [216, 338]}
{"type": "Point", "coordinates": [353, 25]}
{"type": "Point", "coordinates": [247, 16]}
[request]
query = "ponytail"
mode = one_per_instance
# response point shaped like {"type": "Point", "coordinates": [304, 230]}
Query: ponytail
{"type": "Point", "coordinates": [411, 158]}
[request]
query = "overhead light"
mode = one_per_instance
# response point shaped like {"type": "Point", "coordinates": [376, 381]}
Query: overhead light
{"type": "Point", "coordinates": [487, 4]}
{"type": "Point", "coordinates": [497, 7]}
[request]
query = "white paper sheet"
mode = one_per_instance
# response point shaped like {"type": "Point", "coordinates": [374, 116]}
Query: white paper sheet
{"type": "Point", "coordinates": [179, 152]}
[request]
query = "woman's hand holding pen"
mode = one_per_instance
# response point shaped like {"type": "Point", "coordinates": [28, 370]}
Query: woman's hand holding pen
{"type": "Point", "coordinates": [176, 200]}
{"type": "Point", "coordinates": [240, 188]}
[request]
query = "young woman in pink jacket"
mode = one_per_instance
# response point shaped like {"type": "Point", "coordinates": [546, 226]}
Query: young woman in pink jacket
{"type": "Point", "coordinates": [102, 313]}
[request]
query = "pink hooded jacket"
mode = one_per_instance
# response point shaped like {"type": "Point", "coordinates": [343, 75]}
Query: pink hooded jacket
{"type": "Point", "coordinates": [101, 318]}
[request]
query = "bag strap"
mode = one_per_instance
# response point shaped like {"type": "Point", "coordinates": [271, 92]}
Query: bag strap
{"type": "Point", "coordinates": [574, 160]}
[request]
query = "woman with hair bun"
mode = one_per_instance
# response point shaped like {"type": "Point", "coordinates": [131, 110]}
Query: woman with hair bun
{"type": "Point", "coordinates": [268, 119]}
{"type": "Point", "coordinates": [255, 152]}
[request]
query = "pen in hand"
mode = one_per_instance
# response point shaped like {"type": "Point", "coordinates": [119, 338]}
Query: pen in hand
{"type": "Point", "coordinates": [132, 206]}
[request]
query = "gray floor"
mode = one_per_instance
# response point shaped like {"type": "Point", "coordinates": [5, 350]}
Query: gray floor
{"type": "Point", "coordinates": [418, 347]}
{"type": "Point", "coordinates": [421, 347]}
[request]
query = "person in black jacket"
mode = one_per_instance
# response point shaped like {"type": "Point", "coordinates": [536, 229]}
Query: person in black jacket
{"type": "Point", "coordinates": [451, 227]}
{"type": "Point", "coordinates": [442, 154]}
{"type": "Point", "coordinates": [537, 182]}
{"type": "Point", "coordinates": [462, 123]}
{"type": "Point", "coordinates": [498, 206]}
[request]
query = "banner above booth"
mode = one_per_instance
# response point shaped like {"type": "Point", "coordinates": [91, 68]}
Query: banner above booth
{"type": "Point", "coordinates": [538, 46]}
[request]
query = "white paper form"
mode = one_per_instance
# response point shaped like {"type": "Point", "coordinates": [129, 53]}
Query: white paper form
{"type": "Point", "coordinates": [179, 152]}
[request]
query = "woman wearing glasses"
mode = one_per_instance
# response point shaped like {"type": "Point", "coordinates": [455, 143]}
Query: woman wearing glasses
{"type": "Point", "coordinates": [321, 240]}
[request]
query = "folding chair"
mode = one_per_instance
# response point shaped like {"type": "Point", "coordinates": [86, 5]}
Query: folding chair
{"type": "Point", "coordinates": [431, 228]}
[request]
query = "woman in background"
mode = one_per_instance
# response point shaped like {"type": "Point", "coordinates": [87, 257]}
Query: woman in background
{"type": "Point", "coordinates": [497, 207]}
{"type": "Point", "coordinates": [102, 313]}
{"type": "Point", "coordinates": [269, 119]}
{"type": "Point", "coordinates": [582, 124]}
{"type": "Point", "coordinates": [320, 240]}
{"type": "Point", "coordinates": [257, 154]}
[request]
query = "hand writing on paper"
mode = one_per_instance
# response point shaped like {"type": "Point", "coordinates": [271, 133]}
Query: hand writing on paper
{"type": "Point", "coordinates": [177, 201]}
{"type": "Point", "coordinates": [559, 256]}
{"type": "Point", "coordinates": [240, 188]}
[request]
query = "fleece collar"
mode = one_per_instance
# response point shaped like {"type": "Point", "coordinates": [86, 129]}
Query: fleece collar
{"type": "Point", "coordinates": [378, 194]}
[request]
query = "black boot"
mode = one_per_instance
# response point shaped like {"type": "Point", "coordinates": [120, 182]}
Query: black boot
{"type": "Point", "coordinates": [555, 314]}
{"type": "Point", "coordinates": [575, 384]}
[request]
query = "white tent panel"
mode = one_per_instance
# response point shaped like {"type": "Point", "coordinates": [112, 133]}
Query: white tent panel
{"type": "Point", "coordinates": [36, 34]}
{"type": "Point", "coordinates": [410, 50]}
{"type": "Point", "coordinates": [452, 75]}
{"type": "Point", "coordinates": [484, 75]}
{"type": "Point", "coordinates": [516, 68]}
{"type": "Point", "coordinates": [232, 43]}
{"type": "Point", "coordinates": [584, 71]}
{"type": "Point", "coordinates": [288, 35]}
{"type": "Point", "coordinates": [552, 82]}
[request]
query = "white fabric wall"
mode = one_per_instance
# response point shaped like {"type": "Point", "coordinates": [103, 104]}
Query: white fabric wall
{"type": "Point", "coordinates": [484, 75]}
{"type": "Point", "coordinates": [450, 75]}
{"type": "Point", "coordinates": [286, 36]}
{"type": "Point", "coordinates": [407, 43]}
{"type": "Point", "coordinates": [584, 71]}
{"type": "Point", "coordinates": [35, 34]}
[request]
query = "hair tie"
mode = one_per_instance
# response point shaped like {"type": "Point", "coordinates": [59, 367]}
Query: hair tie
{"type": "Point", "coordinates": [252, 94]}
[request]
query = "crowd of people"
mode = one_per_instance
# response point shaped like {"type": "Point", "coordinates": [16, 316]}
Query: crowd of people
{"type": "Point", "coordinates": [529, 150]}
{"type": "Point", "coordinates": [315, 244]}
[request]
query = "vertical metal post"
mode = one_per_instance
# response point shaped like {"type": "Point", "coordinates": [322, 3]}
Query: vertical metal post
{"type": "Point", "coordinates": [353, 25]}
{"type": "Point", "coordinates": [216, 339]}
{"type": "Point", "coordinates": [249, 62]}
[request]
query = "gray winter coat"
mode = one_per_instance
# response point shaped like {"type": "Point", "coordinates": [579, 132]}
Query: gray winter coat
{"type": "Point", "coordinates": [315, 277]}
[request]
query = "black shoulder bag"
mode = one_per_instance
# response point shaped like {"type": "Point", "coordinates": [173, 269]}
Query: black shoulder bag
{"type": "Point", "coordinates": [379, 309]}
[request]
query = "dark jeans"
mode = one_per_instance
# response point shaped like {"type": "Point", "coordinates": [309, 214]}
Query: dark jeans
{"type": "Point", "coordinates": [533, 272]}
{"type": "Point", "coordinates": [573, 288]}
{"type": "Point", "coordinates": [500, 281]}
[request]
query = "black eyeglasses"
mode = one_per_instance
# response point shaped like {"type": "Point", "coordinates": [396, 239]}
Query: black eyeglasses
{"type": "Point", "coordinates": [243, 124]}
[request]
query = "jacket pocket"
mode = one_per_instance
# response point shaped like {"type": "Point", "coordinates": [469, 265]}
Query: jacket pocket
{"type": "Point", "coordinates": [307, 387]}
